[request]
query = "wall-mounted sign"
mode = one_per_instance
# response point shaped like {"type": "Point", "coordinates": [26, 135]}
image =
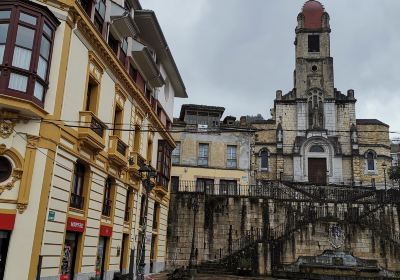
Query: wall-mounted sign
{"type": "Point", "coordinates": [105, 231]}
{"type": "Point", "coordinates": [75, 225]}
{"type": "Point", "coordinates": [51, 216]}
{"type": "Point", "coordinates": [7, 221]}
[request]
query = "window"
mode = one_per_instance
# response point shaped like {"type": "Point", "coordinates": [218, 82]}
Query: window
{"type": "Point", "coordinates": [87, 6]}
{"type": "Point", "coordinates": [205, 185]}
{"type": "Point", "coordinates": [113, 43]}
{"type": "Point", "coordinates": [5, 169]}
{"type": "Point", "coordinates": [25, 49]}
{"type": "Point", "coordinates": [176, 154]}
{"type": "Point", "coordinates": [313, 43]}
{"type": "Point", "coordinates": [156, 216]}
{"type": "Point", "coordinates": [203, 155]}
{"type": "Point", "coordinates": [127, 205]}
{"type": "Point", "coordinates": [78, 179]}
{"type": "Point", "coordinates": [137, 139]}
{"type": "Point", "coordinates": [228, 187]}
{"type": "Point", "coordinates": [124, 51]}
{"type": "Point", "coordinates": [100, 12]}
{"type": "Point", "coordinates": [163, 163]}
{"type": "Point", "coordinates": [174, 184]}
{"type": "Point", "coordinates": [107, 202]}
{"type": "Point", "coordinates": [263, 159]}
{"type": "Point", "coordinates": [142, 210]}
{"type": "Point", "coordinates": [118, 119]}
{"type": "Point", "coordinates": [317, 149]}
{"type": "Point", "coordinates": [92, 95]}
{"type": "Point", "coordinates": [231, 161]}
{"type": "Point", "coordinates": [370, 157]}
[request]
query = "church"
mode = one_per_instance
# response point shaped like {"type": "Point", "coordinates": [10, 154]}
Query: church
{"type": "Point", "coordinates": [314, 135]}
{"type": "Point", "coordinates": [317, 201]}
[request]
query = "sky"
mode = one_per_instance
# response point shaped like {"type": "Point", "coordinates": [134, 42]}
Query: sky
{"type": "Point", "coordinates": [237, 53]}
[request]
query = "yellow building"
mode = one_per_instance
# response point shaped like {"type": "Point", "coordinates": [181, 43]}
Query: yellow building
{"type": "Point", "coordinates": [86, 99]}
{"type": "Point", "coordinates": [210, 152]}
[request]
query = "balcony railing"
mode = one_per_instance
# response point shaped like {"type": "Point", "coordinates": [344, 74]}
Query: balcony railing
{"type": "Point", "coordinates": [91, 130]}
{"type": "Point", "coordinates": [135, 162]}
{"type": "Point", "coordinates": [118, 150]}
{"type": "Point", "coordinates": [76, 201]}
{"type": "Point", "coordinates": [106, 208]}
{"type": "Point", "coordinates": [286, 191]}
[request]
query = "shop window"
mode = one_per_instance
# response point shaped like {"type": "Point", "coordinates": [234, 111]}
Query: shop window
{"type": "Point", "coordinates": [124, 252]}
{"type": "Point", "coordinates": [5, 169]}
{"type": "Point", "coordinates": [101, 257]}
{"type": "Point", "coordinates": [68, 261]}
{"type": "Point", "coordinates": [77, 199]}
{"type": "Point", "coordinates": [107, 199]}
{"type": "Point", "coordinates": [4, 242]}
{"type": "Point", "coordinates": [26, 39]}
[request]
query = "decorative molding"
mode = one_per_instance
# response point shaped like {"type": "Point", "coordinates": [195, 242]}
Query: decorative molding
{"type": "Point", "coordinates": [9, 184]}
{"type": "Point", "coordinates": [96, 67]}
{"type": "Point", "coordinates": [32, 141]}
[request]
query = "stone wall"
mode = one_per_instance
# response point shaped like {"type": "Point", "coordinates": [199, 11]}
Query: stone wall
{"type": "Point", "coordinates": [222, 219]}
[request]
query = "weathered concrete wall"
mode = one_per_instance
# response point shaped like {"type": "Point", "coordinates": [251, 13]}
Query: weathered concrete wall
{"type": "Point", "coordinates": [217, 217]}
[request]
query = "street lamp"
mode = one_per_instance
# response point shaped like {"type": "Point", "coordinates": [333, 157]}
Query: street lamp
{"type": "Point", "coordinates": [146, 174]}
{"type": "Point", "coordinates": [195, 208]}
{"type": "Point", "coordinates": [384, 165]}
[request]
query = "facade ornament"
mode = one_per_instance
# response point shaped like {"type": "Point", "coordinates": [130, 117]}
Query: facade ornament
{"type": "Point", "coordinates": [32, 141]}
{"type": "Point", "coordinates": [6, 128]}
{"type": "Point", "coordinates": [9, 184]}
{"type": "Point", "coordinates": [336, 236]}
{"type": "Point", "coordinates": [21, 207]}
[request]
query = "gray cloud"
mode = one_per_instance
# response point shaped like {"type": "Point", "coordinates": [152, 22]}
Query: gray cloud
{"type": "Point", "coordinates": [236, 53]}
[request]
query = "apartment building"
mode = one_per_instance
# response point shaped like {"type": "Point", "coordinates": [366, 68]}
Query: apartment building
{"type": "Point", "coordinates": [86, 100]}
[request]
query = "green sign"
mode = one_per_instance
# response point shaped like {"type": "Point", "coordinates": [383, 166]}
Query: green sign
{"type": "Point", "coordinates": [51, 216]}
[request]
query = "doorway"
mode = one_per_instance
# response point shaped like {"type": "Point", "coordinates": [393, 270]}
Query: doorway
{"type": "Point", "coordinates": [317, 171]}
{"type": "Point", "coordinates": [4, 241]}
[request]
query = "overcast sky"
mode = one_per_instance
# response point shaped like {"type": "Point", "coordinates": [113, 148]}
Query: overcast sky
{"type": "Point", "coordinates": [237, 53]}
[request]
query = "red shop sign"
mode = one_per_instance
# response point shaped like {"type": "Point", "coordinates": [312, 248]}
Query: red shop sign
{"type": "Point", "coordinates": [7, 221]}
{"type": "Point", "coordinates": [105, 231]}
{"type": "Point", "coordinates": [75, 225]}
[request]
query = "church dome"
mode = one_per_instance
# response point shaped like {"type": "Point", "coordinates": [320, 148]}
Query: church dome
{"type": "Point", "coordinates": [313, 11]}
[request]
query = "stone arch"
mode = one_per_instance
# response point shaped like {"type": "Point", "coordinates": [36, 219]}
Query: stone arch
{"type": "Point", "coordinates": [328, 153]}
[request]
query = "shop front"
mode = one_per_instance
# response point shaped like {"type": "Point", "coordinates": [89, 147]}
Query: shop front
{"type": "Point", "coordinates": [6, 226]}
{"type": "Point", "coordinates": [73, 237]}
{"type": "Point", "coordinates": [102, 251]}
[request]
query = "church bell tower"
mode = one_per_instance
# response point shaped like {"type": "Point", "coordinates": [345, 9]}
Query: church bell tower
{"type": "Point", "coordinates": [314, 82]}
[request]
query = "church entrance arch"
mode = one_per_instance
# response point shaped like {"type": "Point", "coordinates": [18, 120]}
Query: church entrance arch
{"type": "Point", "coordinates": [317, 153]}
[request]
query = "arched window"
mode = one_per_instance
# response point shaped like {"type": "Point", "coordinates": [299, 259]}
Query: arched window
{"type": "Point", "coordinates": [26, 39]}
{"type": "Point", "coordinates": [317, 149]}
{"type": "Point", "coordinates": [370, 156]}
{"type": "Point", "coordinates": [263, 155]}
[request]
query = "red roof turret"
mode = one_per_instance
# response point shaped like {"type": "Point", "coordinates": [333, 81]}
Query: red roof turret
{"type": "Point", "coordinates": [313, 11]}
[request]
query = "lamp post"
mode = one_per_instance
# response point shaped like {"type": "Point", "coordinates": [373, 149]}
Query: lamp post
{"type": "Point", "coordinates": [384, 165]}
{"type": "Point", "coordinates": [195, 208]}
{"type": "Point", "coordinates": [149, 173]}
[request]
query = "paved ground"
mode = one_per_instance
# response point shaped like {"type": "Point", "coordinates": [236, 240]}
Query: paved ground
{"type": "Point", "coordinates": [163, 276]}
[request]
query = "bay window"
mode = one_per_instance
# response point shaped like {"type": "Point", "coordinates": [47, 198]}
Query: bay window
{"type": "Point", "coordinates": [26, 38]}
